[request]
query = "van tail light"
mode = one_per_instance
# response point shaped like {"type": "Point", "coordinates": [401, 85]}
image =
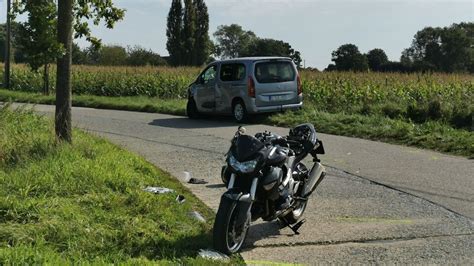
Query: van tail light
{"type": "Point", "coordinates": [300, 88]}
{"type": "Point", "coordinates": [251, 87]}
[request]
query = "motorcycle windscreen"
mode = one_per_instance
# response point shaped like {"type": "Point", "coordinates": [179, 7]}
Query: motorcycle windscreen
{"type": "Point", "coordinates": [245, 147]}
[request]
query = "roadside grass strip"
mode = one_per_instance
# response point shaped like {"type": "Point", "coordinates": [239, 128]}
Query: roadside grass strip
{"type": "Point", "coordinates": [84, 203]}
{"type": "Point", "coordinates": [432, 134]}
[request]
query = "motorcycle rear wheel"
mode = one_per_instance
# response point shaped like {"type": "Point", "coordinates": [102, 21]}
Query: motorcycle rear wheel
{"type": "Point", "coordinates": [228, 237]}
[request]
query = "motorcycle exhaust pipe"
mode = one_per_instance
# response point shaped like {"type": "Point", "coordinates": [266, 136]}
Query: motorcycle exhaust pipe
{"type": "Point", "coordinates": [317, 174]}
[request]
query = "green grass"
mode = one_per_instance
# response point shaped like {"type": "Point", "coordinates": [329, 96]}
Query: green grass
{"type": "Point", "coordinates": [84, 203]}
{"type": "Point", "coordinates": [135, 103]}
{"type": "Point", "coordinates": [429, 135]}
{"type": "Point", "coordinates": [433, 134]}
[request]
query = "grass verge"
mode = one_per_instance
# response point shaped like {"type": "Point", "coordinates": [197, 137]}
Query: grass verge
{"type": "Point", "coordinates": [435, 135]}
{"type": "Point", "coordinates": [84, 203]}
{"type": "Point", "coordinates": [135, 103]}
{"type": "Point", "coordinates": [429, 135]}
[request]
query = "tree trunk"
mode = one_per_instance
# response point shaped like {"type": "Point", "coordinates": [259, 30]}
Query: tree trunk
{"type": "Point", "coordinates": [8, 51]}
{"type": "Point", "coordinates": [63, 123]}
{"type": "Point", "coordinates": [46, 80]}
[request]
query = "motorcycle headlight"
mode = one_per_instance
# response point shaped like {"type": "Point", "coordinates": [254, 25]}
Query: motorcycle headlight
{"type": "Point", "coordinates": [245, 167]}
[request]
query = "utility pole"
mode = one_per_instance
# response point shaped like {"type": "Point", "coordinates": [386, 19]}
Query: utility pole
{"type": "Point", "coordinates": [6, 79]}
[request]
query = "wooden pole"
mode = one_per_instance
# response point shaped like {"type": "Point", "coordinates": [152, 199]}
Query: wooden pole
{"type": "Point", "coordinates": [6, 82]}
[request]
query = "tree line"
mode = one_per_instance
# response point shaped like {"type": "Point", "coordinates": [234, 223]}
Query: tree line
{"type": "Point", "coordinates": [448, 49]}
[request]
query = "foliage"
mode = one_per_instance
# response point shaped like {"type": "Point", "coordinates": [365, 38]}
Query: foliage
{"type": "Point", "coordinates": [112, 55]}
{"type": "Point", "coordinates": [96, 11]}
{"type": "Point", "coordinates": [376, 58]}
{"type": "Point", "coordinates": [187, 31]}
{"type": "Point", "coordinates": [37, 35]}
{"type": "Point", "coordinates": [17, 53]}
{"type": "Point", "coordinates": [202, 43]}
{"type": "Point", "coordinates": [85, 204]}
{"type": "Point", "coordinates": [271, 47]}
{"type": "Point", "coordinates": [139, 56]}
{"type": "Point", "coordinates": [348, 58]}
{"type": "Point", "coordinates": [232, 41]}
{"type": "Point", "coordinates": [448, 49]}
{"type": "Point", "coordinates": [173, 32]}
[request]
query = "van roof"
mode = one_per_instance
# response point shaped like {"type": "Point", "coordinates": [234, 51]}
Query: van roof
{"type": "Point", "coordinates": [255, 58]}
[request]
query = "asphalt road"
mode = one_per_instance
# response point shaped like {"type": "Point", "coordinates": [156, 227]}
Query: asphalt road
{"type": "Point", "coordinates": [379, 203]}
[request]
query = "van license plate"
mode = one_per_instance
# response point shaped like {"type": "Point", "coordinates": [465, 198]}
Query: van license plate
{"type": "Point", "coordinates": [274, 98]}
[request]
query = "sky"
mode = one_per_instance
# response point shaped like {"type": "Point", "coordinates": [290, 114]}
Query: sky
{"type": "Point", "coordinates": [313, 27]}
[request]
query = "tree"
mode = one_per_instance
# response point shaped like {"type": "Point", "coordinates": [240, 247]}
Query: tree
{"type": "Point", "coordinates": [457, 47]}
{"type": "Point", "coordinates": [70, 11]}
{"type": "Point", "coordinates": [202, 43]}
{"type": "Point", "coordinates": [79, 56]}
{"type": "Point", "coordinates": [188, 33]}
{"type": "Point", "coordinates": [348, 58]}
{"type": "Point", "coordinates": [232, 41]}
{"type": "Point", "coordinates": [138, 56]}
{"type": "Point", "coordinates": [447, 49]}
{"type": "Point", "coordinates": [14, 43]}
{"type": "Point", "coordinates": [376, 58]}
{"type": "Point", "coordinates": [173, 33]}
{"type": "Point", "coordinates": [37, 35]}
{"type": "Point", "coordinates": [271, 47]}
{"type": "Point", "coordinates": [112, 55]}
{"type": "Point", "coordinates": [63, 124]}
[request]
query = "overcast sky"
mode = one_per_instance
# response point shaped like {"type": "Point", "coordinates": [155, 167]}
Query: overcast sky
{"type": "Point", "coordinates": [314, 27]}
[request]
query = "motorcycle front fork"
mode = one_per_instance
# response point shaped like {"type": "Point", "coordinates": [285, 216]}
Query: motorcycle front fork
{"type": "Point", "coordinates": [250, 197]}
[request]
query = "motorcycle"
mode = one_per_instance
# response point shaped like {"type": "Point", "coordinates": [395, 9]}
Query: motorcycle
{"type": "Point", "coordinates": [266, 178]}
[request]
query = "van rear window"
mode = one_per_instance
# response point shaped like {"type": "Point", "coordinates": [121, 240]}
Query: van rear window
{"type": "Point", "coordinates": [274, 72]}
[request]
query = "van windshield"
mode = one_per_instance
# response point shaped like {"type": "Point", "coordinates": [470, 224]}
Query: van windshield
{"type": "Point", "coordinates": [274, 71]}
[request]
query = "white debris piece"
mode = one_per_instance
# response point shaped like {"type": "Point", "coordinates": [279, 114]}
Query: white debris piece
{"type": "Point", "coordinates": [158, 190]}
{"type": "Point", "coordinates": [213, 255]}
{"type": "Point", "coordinates": [186, 177]}
{"type": "Point", "coordinates": [196, 215]}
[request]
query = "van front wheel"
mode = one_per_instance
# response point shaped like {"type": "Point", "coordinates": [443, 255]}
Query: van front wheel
{"type": "Point", "coordinates": [240, 112]}
{"type": "Point", "coordinates": [191, 109]}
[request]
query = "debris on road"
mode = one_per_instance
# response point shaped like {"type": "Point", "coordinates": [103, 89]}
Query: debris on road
{"type": "Point", "coordinates": [197, 181]}
{"type": "Point", "coordinates": [196, 215]}
{"type": "Point", "coordinates": [213, 255]}
{"type": "Point", "coordinates": [186, 177]}
{"type": "Point", "coordinates": [180, 199]}
{"type": "Point", "coordinates": [158, 190]}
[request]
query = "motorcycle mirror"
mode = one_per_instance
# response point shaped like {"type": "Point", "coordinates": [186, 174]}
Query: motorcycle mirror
{"type": "Point", "coordinates": [241, 130]}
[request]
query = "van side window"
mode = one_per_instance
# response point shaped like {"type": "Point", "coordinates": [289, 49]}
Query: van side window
{"type": "Point", "coordinates": [209, 74]}
{"type": "Point", "coordinates": [232, 72]}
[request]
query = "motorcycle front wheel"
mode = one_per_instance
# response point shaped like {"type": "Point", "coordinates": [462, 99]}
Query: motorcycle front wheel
{"type": "Point", "coordinates": [228, 236]}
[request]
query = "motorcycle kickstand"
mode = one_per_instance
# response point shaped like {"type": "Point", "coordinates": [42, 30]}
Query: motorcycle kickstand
{"type": "Point", "coordinates": [295, 227]}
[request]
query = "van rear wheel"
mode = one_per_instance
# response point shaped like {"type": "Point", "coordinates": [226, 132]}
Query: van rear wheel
{"type": "Point", "coordinates": [239, 111]}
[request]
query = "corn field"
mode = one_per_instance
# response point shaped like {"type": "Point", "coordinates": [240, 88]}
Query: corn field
{"type": "Point", "coordinates": [417, 97]}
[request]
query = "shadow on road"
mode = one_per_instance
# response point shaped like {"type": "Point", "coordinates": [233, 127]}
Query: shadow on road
{"type": "Point", "coordinates": [186, 123]}
{"type": "Point", "coordinates": [206, 122]}
{"type": "Point", "coordinates": [261, 231]}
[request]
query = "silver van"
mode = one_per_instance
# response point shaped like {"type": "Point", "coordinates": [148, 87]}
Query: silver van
{"type": "Point", "coordinates": [245, 86]}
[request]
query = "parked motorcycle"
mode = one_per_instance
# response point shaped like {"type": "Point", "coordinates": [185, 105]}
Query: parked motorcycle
{"type": "Point", "coordinates": [266, 178]}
